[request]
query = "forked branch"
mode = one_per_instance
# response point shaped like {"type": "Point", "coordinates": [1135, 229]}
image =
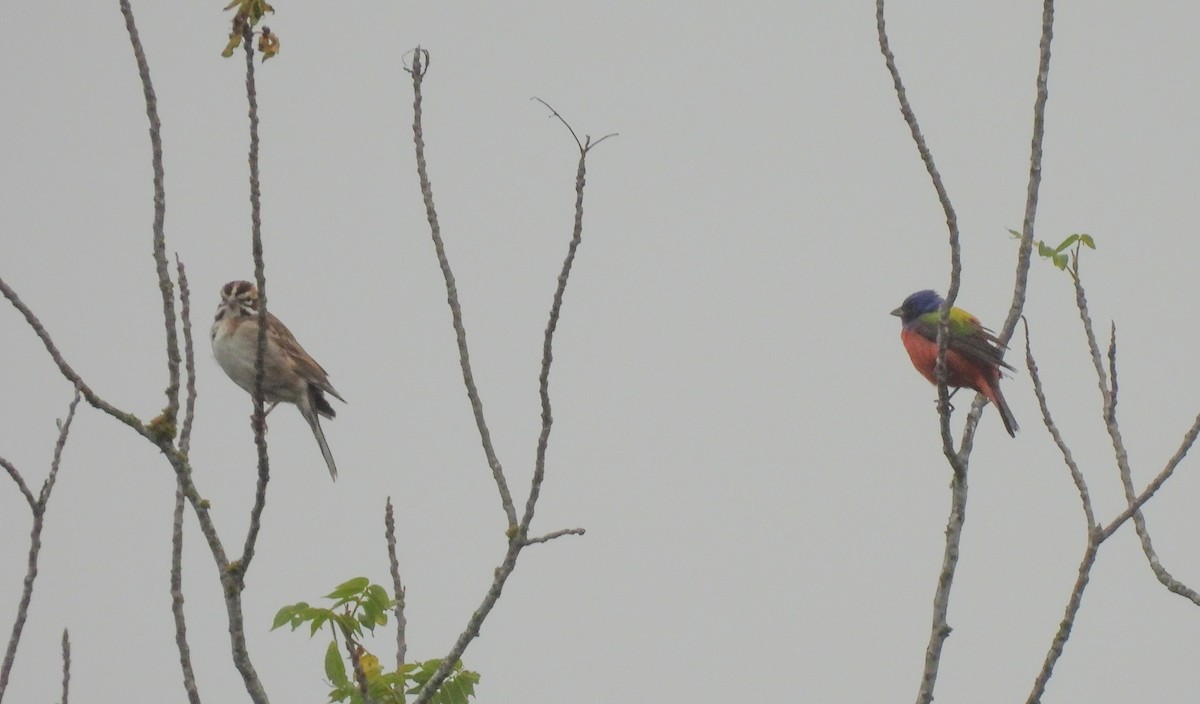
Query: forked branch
{"type": "Point", "coordinates": [38, 507]}
{"type": "Point", "coordinates": [518, 531]}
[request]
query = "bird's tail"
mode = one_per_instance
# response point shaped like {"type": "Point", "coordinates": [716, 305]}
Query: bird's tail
{"type": "Point", "coordinates": [315, 423]}
{"type": "Point", "coordinates": [1006, 415]}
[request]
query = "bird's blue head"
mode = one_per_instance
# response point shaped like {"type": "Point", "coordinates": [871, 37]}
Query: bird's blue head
{"type": "Point", "coordinates": [918, 304]}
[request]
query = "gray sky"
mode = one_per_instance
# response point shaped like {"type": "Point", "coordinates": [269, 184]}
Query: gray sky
{"type": "Point", "coordinates": [737, 424]}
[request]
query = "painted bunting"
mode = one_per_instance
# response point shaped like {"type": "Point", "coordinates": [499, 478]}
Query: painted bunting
{"type": "Point", "coordinates": [974, 357]}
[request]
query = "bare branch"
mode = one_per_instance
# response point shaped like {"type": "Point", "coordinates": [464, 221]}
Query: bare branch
{"type": "Point", "coordinates": [160, 209]}
{"type": "Point", "coordinates": [64, 427]}
{"type": "Point", "coordinates": [35, 546]}
{"type": "Point", "coordinates": [539, 469]}
{"type": "Point", "coordinates": [1188, 440]}
{"type": "Point", "coordinates": [1112, 371]}
{"type": "Point", "coordinates": [66, 657]}
{"type": "Point", "coordinates": [1068, 621]}
{"type": "Point", "coordinates": [185, 652]}
{"type": "Point", "coordinates": [555, 534]}
{"type": "Point", "coordinates": [939, 629]}
{"type": "Point", "coordinates": [517, 534]}
{"type": "Point", "coordinates": [554, 113]}
{"type": "Point", "coordinates": [189, 357]}
{"type": "Point", "coordinates": [910, 118]}
{"type": "Point", "coordinates": [16, 477]}
{"type": "Point", "coordinates": [471, 632]}
{"type": "Point", "coordinates": [1139, 520]}
{"type": "Point", "coordinates": [183, 473]}
{"type": "Point", "coordinates": [233, 577]}
{"type": "Point", "coordinates": [418, 73]}
{"type": "Point", "coordinates": [1107, 382]}
{"type": "Point", "coordinates": [35, 542]}
{"type": "Point", "coordinates": [1076, 475]}
{"type": "Point", "coordinates": [959, 459]}
{"type": "Point", "coordinates": [1035, 173]}
{"type": "Point", "coordinates": [389, 532]}
{"type": "Point", "coordinates": [259, 419]}
{"type": "Point", "coordinates": [90, 396]}
{"type": "Point", "coordinates": [1157, 482]}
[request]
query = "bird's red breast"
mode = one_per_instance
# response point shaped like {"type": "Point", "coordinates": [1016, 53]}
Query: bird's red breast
{"type": "Point", "coordinates": [960, 371]}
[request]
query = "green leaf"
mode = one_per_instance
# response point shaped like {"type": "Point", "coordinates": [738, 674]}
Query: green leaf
{"type": "Point", "coordinates": [1087, 241]}
{"type": "Point", "coordinates": [318, 621]}
{"type": "Point", "coordinates": [348, 589]}
{"type": "Point", "coordinates": [335, 669]}
{"type": "Point", "coordinates": [424, 671]}
{"type": "Point", "coordinates": [450, 693]}
{"type": "Point", "coordinates": [1014, 233]}
{"type": "Point", "coordinates": [281, 617]}
{"type": "Point", "coordinates": [347, 622]}
{"type": "Point", "coordinates": [1067, 243]}
{"type": "Point", "coordinates": [378, 597]}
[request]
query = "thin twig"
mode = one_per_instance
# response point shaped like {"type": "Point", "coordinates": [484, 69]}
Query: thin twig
{"type": "Point", "coordinates": [160, 210]}
{"type": "Point", "coordinates": [418, 74]}
{"type": "Point", "coordinates": [1032, 191]}
{"type": "Point", "coordinates": [910, 118]}
{"type": "Point", "coordinates": [189, 358]}
{"type": "Point", "coordinates": [539, 469]}
{"type": "Point", "coordinates": [38, 508]}
{"type": "Point", "coordinates": [1035, 173]}
{"type": "Point", "coordinates": [1068, 620]}
{"type": "Point", "coordinates": [555, 534]}
{"type": "Point", "coordinates": [181, 642]}
{"type": "Point", "coordinates": [1139, 520]}
{"type": "Point", "coordinates": [16, 477]}
{"type": "Point", "coordinates": [1076, 474]}
{"type": "Point", "coordinates": [587, 143]}
{"type": "Point", "coordinates": [259, 420]}
{"type": "Point", "coordinates": [518, 533]}
{"type": "Point", "coordinates": [65, 369]}
{"type": "Point", "coordinates": [233, 578]}
{"type": "Point", "coordinates": [1155, 484]}
{"type": "Point", "coordinates": [66, 658]}
{"type": "Point", "coordinates": [183, 473]}
{"type": "Point", "coordinates": [959, 460]}
{"type": "Point", "coordinates": [389, 532]}
{"type": "Point", "coordinates": [1093, 346]}
{"type": "Point", "coordinates": [939, 628]}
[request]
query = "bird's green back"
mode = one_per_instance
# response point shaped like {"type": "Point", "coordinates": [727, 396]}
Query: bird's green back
{"type": "Point", "coordinates": [960, 323]}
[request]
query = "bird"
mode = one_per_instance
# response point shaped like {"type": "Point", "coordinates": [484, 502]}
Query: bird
{"type": "Point", "coordinates": [974, 356]}
{"type": "Point", "coordinates": [290, 375]}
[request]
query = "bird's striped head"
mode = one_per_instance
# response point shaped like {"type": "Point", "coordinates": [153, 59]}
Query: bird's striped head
{"type": "Point", "coordinates": [918, 304]}
{"type": "Point", "coordinates": [239, 297]}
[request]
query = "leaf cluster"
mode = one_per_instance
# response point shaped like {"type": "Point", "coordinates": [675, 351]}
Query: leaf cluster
{"type": "Point", "coordinates": [360, 606]}
{"type": "Point", "coordinates": [1059, 256]}
{"type": "Point", "coordinates": [251, 12]}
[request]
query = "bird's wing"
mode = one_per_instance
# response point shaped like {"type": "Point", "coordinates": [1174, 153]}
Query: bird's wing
{"type": "Point", "coordinates": [967, 337]}
{"type": "Point", "coordinates": [303, 361]}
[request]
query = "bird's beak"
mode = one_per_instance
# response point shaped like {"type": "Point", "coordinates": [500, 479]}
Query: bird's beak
{"type": "Point", "coordinates": [898, 313]}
